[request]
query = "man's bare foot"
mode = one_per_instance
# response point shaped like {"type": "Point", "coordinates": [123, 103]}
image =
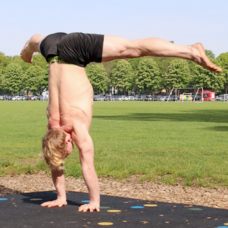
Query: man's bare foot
{"type": "Point", "coordinates": [26, 54]}
{"type": "Point", "coordinates": [30, 47]}
{"type": "Point", "coordinates": [203, 60]}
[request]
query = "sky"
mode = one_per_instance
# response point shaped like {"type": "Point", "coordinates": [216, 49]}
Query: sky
{"type": "Point", "coordinates": [182, 21]}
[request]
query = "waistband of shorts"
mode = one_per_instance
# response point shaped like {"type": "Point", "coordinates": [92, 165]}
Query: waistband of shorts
{"type": "Point", "coordinates": [54, 59]}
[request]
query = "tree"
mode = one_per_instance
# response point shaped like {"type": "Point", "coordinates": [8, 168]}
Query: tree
{"type": "Point", "coordinates": [98, 77]}
{"type": "Point", "coordinates": [148, 77]}
{"type": "Point", "coordinates": [39, 60]}
{"type": "Point", "coordinates": [223, 59]}
{"type": "Point", "coordinates": [18, 60]}
{"type": "Point", "coordinates": [13, 78]}
{"type": "Point", "coordinates": [33, 79]}
{"type": "Point", "coordinates": [44, 80]}
{"type": "Point", "coordinates": [108, 67]}
{"type": "Point", "coordinates": [163, 63]}
{"type": "Point", "coordinates": [1, 80]}
{"type": "Point", "coordinates": [4, 61]}
{"type": "Point", "coordinates": [210, 54]}
{"type": "Point", "coordinates": [207, 79]}
{"type": "Point", "coordinates": [178, 74]}
{"type": "Point", "coordinates": [122, 75]}
{"type": "Point", "coordinates": [134, 63]}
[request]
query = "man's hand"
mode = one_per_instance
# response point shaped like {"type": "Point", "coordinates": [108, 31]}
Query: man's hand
{"type": "Point", "coordinates": [89, 207]}
{"type": "Point", "coordinates": [55, 203]}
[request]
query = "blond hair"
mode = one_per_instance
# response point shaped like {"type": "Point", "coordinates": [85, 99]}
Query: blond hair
{"type": "Point", "coordinates": [54, 148]}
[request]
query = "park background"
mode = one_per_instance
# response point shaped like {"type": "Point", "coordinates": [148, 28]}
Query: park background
{"type": "Point", "coordinates": [164, 142]}
{"type": "Point", "coordinates": [179, 22]}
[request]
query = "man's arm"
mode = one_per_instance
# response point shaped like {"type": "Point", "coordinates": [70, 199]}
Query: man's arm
{"type": "Point", "coordinates": [59, 183]}
{"type": "Point", "coordinates": [84, 143]}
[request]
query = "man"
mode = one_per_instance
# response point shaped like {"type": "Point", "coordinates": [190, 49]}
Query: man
{"type": "Point", "coordinates": [71, 95]}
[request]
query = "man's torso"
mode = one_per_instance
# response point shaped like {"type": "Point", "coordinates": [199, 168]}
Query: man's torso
{"type": "Point", "coordinates": [70, 95]}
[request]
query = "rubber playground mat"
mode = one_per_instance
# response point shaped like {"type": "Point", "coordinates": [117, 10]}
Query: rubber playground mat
{"type": "Point", "coordinates": [24, 211]}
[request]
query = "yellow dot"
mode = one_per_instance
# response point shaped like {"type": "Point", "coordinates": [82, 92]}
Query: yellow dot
{"type": "Point", "coordinates": [36, 199]}
{"type": "Point", "coordinates": [226, 224]}
{"type": "Point", "coordinates": [105, 223]}
{"type": "Point", "coordinates": [150, 205]}
{"type": "Point", "coordinates": [114, 211]}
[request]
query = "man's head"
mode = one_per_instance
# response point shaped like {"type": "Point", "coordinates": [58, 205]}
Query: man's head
{"type": "Point", "coordinates": [56, 145]}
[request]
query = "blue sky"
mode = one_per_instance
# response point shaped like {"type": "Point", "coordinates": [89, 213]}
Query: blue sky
{"type": "Point", "coordinates": [183, 21]}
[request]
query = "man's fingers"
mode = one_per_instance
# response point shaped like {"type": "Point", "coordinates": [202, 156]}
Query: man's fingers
{"type": "Point", "coordinates": [85, 208]}
{"type": "Point", "coordinates": [45, 204]}
{"type": "Point", "coordinates": [50, 204]}
{"type": "Point", "coordinates": [55, 205]}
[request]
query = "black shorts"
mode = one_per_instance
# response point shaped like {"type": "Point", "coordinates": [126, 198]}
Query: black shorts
{"type": "Point", "coordinates": [76, 48]}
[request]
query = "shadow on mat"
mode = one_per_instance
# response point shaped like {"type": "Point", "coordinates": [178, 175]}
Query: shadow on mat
{"type": "Point", "coordinates": [212, 116]}
{"type": "Point", "coordinates": [41, 197]}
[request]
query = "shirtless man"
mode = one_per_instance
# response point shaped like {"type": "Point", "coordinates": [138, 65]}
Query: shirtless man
{"type": "Point", "coordinates": [71, 95]}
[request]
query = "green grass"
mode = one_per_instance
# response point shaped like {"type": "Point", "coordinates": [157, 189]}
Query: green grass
{"type": "Point", "coordinates": [166, 142]}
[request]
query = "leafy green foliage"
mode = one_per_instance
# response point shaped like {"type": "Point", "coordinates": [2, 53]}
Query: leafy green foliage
{"type": "Point", "coordinates": [122, 75]}
{"type": "Point", "coordinates": [98, 77]}
{"type": "Point", "coordinates": [13, 78]}
{"type": "Point", "coordinates": [223, 59]}
{"type": "Point", "coordinates": [210, 54]}
{"type": "Point", "coordinates": [163, 63]}
{"type": "Point", "coordinates": [33, 79]}
{"type": "Point", "coordinates": [178, 74]}
{"type": "Point", "coordinates": [1, 80]}
{"type": "Point", "coordinates": [18, 60]}
{"type": "Point", "coordinates": [4, 61]}
{"type": "Point", "coordinates": [125, 79]}
{"type": "Point", "coordinates": [39, 60]}
{"type": "Point", "coordinates": [207, 79]}
{"type": "Point", "coordinates": [148, 76]}
{"type": "Point", "coordinates": [108, 67]}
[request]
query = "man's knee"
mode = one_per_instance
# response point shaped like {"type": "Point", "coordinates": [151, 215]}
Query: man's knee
{"type": "Point", "coordinates": [133, 49]}
{"type": "Point", "coordinates": [130, 49]}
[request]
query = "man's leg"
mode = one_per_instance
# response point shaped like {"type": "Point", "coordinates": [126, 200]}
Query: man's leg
{"type": "Point", "coordinates": [119, 48]}
{"type": "Point", "coordinates": [31, 46]}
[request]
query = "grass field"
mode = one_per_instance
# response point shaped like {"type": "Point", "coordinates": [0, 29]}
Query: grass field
{"type": "Point", "coordinates": [166, 142]}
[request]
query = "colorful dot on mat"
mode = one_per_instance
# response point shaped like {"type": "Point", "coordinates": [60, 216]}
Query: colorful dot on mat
{"type": "Point", "coordinates": [113, 211]}
{"type": "Point", "coordinates": [85, 201]}
{"type": "Point", "coordinates": [36, 199]}
{"type": "Point", "coordinates": [222, 227]}
{"type": "Point", "coordinates": [105, 223]}
{"type": "Point", "coordinates": [225, 224]}
{"type": "Point", "coordinates": [137, 207]}
{"type": "Point", "coordinates": [2, 199]}
{"type": "Point", "coordinates": [195, 209]}
{"type": "Point", "coordinates": [102, 207]}
{"type": "Point", "coordinates": [150, 205]}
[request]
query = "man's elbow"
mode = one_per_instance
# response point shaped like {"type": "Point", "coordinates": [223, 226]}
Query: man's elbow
{"type": "Point", "coordinates": [86, 149]}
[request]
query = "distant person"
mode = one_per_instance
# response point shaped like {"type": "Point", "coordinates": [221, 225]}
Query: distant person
{"type": "Point", "coordinates": [70, 106]}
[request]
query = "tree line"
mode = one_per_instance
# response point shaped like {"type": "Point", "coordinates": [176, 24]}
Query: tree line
{"type": "Point", "coordinates": [141, 75]}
